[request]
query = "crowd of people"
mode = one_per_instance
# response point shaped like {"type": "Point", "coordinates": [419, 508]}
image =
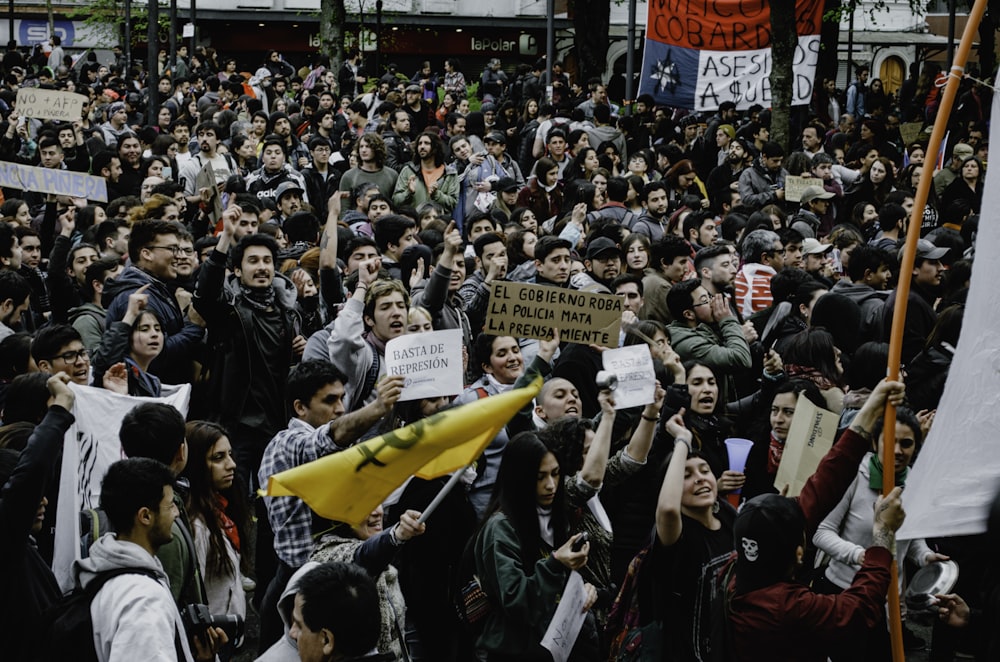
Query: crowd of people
{"type": "Point", "coordinates": [267, 232]}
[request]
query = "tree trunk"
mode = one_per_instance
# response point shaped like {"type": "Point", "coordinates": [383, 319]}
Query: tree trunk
{"type": "Point", "coordinates": [783, 43]}
{"type": "Point", "coordinates": [829, 40]}
{"type": "Point", "coordinates": [591, 23]}
{"type": "Point", "coordinates": [331, 31]}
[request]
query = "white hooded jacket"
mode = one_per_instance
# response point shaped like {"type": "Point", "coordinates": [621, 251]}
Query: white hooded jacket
{"type": "Point", "coordinates": [133, 614]}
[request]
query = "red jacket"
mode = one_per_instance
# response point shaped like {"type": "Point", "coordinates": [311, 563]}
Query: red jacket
{"type": "Point", "coordinates": [787, 621]}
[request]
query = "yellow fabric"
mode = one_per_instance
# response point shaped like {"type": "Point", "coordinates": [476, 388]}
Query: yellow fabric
{"type": "Point", "coordinates": [347, 486]}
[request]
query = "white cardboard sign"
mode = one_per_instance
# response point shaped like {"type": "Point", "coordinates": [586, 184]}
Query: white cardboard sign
{"type": "Point", "coordinates": [431, 362]}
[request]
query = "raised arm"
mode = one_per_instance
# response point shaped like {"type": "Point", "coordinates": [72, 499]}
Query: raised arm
{"type": "Point", "coordinates": [668, 504]}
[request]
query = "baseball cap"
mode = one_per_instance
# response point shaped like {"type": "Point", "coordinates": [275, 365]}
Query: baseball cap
{"type": "Point", "coordinates": [813, 192]}
{"type": "Point", "coordinates": [286, 187]}
{"type": "Point", "coordinates": [505, 185]}
{"type": "Point", "coordinates": [812, 246]}
{"type": "Point", "coordinates": [496, 137]}
{"type": "Point", "coordinates": [767, 531]}
{"type": "Point", "coordinates": [961, 150]}
{"type": "Point", "coordinates": [602, 246]}
{"type": "Point", "coordinates": [928, 251]}
{"type": "Point", "coordinates": [413, 87]}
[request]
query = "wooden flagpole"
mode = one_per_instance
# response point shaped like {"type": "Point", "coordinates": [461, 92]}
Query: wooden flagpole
{"type": "Point", "coordinates": [903, 291]}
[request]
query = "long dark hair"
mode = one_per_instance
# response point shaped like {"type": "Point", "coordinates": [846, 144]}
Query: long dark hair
{"type": "Point", "coordinates": [515, 496]}
{"type": "Point", "coordinates": [203, 498]}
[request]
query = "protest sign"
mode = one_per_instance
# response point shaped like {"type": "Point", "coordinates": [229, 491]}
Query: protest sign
{"type": "Point", "coordinates": [810, 437]}
{"type": "Point", "coordinates": [633, 365]}
{"type": "Point", "coordinates": [92, 445]}
{"type": "Point", "coordinates": [910, 131]}
{"type": "Point", "coordinates": [50, 104]}
{"type": "Point", "coordinates": [568, 620]}
{"type": "Point", "coordinates": [794, 186]}
{"type": "Point", "coordinates": [524, 310]}
{"type": "Point", "coordinates": [701, 53]}
{"type": "Point", "coordinates": [431, 363]}
{"type": "Point", "coordinates": [56, 182]}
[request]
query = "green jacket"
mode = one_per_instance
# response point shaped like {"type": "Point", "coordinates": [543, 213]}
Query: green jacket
{"type": "Point", "coordinates": [725, 350]}
{"type": "Point", "coordinates": [446, 194]}
{"type": "Point", "coordinates": [523, 605]}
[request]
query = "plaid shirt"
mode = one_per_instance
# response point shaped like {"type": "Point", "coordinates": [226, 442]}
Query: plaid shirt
{"type": "Point", "coordinates": [290, 517]}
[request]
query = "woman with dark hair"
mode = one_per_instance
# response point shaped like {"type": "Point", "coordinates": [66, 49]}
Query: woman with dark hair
{"type": "Point", "coordinates": [967, 186]}
{"type": "Point", "coordinates": [16, 212]}
{"type": "Point", "coordinates": [543, 194]}
{"type": "Point", "coordinates": [219, 517]}
{"type": "Point", "coordinates": [683, 180]}
{"type": "Point", "coordinates": [454, 79]}
{"type": "Point", "coordinates": [874, 186]}
{"type": "Point", "coordinates": [769, 443]}
{"type": "Point", "coordinates": [521, 248]}
{"type": "Point", "coordinates": [164, 117]}
{"type": "Point", "coordinates": [864, 216]}
{"type": "Point", "coordinates": [121, 363]}
{"type": "Point", "coordinates": [583, 166]}
{"type": "Point", "coordinates": [637, 250]}
{"type": "Point", "coordinates": [846, 533]}
{"type": "Point", "coordinates": [692, 538]}
{"type": "Point", "coordinates": [811, 355]}
{"type": "Point", "coordinates": [523, 552]}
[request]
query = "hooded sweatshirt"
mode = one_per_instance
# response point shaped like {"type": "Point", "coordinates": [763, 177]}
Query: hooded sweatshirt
{"type": "Point", "coordinates": [132, 612]}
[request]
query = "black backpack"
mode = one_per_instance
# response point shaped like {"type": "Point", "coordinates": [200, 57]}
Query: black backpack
{"type": "Point", "coordinates": [68, 630]}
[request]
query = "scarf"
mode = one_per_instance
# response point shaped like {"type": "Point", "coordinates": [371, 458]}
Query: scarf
{"type": "Point", "coordinates": [774, 451]}
{"type": "Point", "coordinates": [875, 473]}
{"type": "Point", "coordinates": [228, 525]}
{"type": "Point", "coordinates": [375, 342]}
{"type": "Point", "coordinates": [545, 526]}
{"type": "Point", "coordinates": [501, 388]}
{"type": "Point", "coordinates": [258, 299]}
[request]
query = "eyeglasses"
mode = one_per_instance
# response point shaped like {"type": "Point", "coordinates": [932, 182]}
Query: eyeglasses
{"type": "Point", "coordinates": [73, 357]}
{"type": "Point", "coordinates": [704, 301]}
{"type": "Point", "coordinates": [176, 250]}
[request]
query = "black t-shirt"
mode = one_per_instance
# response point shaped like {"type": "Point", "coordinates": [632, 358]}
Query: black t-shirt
{"type": "Point", "coordinates": [676, 586]}
{"type": "Point", "coordinates": [269, 351]}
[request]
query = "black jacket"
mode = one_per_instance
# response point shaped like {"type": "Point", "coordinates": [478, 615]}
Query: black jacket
{"type": "Point", "coordinates": [27, 584]}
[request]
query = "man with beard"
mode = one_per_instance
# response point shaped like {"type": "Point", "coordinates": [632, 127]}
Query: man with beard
{"type": "Point", "coordinates": [252, 324]}
{"type": "Point", "coordinates": [427, 177]}
{"type": "Point", "coordinates": [14, 300]}
{"type": "Point", "coordinates": [135, 609]}
{"type": "Point", "coordinates": [925, 286]}
{"type": "Point", "coordinates": [716, 266]}
{"type": "Point", "coordinates": [153, 248]}
{"type": "Point", "coordinates": [397, 139]}
{"type": "Point", "coordinates": [764, 182]}
{"type": "Point", "coordinates": [724, 179]}
{"type": "Point", "coordinates": [603, 261]}
{"type": "Point", "coordinates": [222, 165]}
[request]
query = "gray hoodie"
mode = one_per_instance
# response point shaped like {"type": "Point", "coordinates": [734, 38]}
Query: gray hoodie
{"type": "Point", "coordinates": [132, 612]}
{"type": "Point", "coordinates": [285, 649]}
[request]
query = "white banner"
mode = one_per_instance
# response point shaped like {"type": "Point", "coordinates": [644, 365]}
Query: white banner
{"type": "Point", "coordinates": [633, 365]}
{"type": "Point", "coordinates": [431, 362]}
{"type": "Point", "coordinates": [957, 474]}
{"type": "Point", "coordinates": [92, 446]}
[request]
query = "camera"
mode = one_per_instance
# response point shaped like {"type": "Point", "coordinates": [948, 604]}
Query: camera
{"type": "Point", "coordinates": [606, 380]}
{"type": "Point", "coordinates": [198, 618]}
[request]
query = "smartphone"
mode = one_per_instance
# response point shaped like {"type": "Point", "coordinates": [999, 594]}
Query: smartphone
{"type": "Point", "coordinates": [580, 542]}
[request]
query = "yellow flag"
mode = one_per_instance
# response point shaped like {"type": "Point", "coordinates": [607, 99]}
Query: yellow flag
{"type": "Point", "coordinates": [347, 486]}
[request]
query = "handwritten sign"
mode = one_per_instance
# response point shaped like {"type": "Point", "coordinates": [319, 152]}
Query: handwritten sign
{"type": "Point", "coordinates": [567, 621]}
{"type": "Point", "coordinates": [633, 366]}
{"type": "Point", "coordinates": [810, 437]}
{"type": "Point", "coordinates": [524, 310]}
{"type": "Point", "coordinates": [910, 132]}
{"type": "Point", "coordinates": [56, 182]}
{"type": "Point", "coordinates": [431, 363]}
{"type": "Point", "coordinates": [700, 54]}
{"type": "Point", "coordinates": [795, 186]}
{"type": "Point", "coordinates": [50, 104]}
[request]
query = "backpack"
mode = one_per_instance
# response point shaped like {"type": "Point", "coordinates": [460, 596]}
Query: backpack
{"type": "Point", "coordinates": [94, 523]}
{"type": "Point", "coordinates": [68, 630]}
{"type": "Point", "coordinates": [471, 602]}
